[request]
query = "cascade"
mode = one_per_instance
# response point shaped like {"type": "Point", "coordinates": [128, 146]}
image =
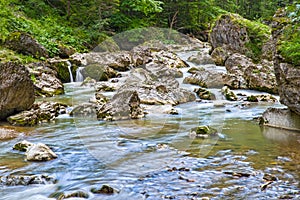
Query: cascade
{"type": "Point", "coordinates": [79, 76]}
{"type": "Point", "coordinates": [70, 71]}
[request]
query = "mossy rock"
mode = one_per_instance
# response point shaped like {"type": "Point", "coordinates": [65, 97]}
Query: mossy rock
{"type": "Point", "coordinates": [203, 131]}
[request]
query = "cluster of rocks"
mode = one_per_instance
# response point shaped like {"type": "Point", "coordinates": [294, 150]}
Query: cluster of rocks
{"type": "Point", "coordinates": [39, 112]}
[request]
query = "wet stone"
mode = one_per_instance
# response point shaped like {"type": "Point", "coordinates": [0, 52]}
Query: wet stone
{"type": "Point", "coordinates": [105, 189]}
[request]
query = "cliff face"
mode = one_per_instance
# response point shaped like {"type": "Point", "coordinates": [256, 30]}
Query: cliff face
{"type": "Point", "coordinates": [287, 68]}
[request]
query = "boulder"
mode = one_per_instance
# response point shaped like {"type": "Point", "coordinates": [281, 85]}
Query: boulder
{"type": "Point", "coordinates": [24, 43]}
{"type": "Point", "coordinates": [156, 84]}
{"type": "Point", "coordinates": [204, 94]}
{"type": "Point", "coordinates": [235, 34]}
{"type": "Point", "coordinates": [99, 72]}
{"type": "Point", "coordinates": [123, 105]}
{"type": "Point", "coordinates": [208, 78]}
{"type": "Point", "coordinates": [61, 66]}
{"type": "Point", "coordinates": [203, 131]}
{"type": "Point", "coordinates": [39, 152]}
{"type": "Point", "coordinates": [242, 73]}
{"type": "Point", "coordinates": [261, 98]}
{"type": "Point", "coordinates": [45, 79]}
{"type": "Point", "coordinates": [219, 56]}
{"type": "Point", "coordinates": [16, 89]}
{"type": "Point", "coordinates": [84, 110]}
{"type": "Point", "coordinates": [105, 189]}
{"type": "Point", "coordinates": [202, 58]}
{"type": "Point", "coordinates": [39, 113]}
{"type": "Point", "coordinates": [281, 118]}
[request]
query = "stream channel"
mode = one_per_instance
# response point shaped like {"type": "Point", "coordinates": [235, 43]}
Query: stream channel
{"type": "Point", "coordinates": [156, 157]}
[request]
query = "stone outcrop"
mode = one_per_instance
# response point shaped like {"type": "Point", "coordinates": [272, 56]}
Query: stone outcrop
{"type": "Point", "coordinates": [234, 34]}
{"type": "Point", "coordinates": [287, 70]}
{"type": "Point", "coordinates": [40, 112]}
{"type": "Point", "coordinates": [45, 79]}
{"type": "Point", "coordinates": [16, 89]}
{"type": "Point", "coordinates": [243, 73]}
{"type": "Point", "coordinates": [24, 43]}
{"type": "Point", "coordinates": [281, 118]}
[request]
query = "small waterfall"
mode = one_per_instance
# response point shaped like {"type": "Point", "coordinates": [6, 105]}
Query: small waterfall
{"type": "Point", "coordinates": [70, 71]}
{"type": "Point", "coordinates": [79, 76]}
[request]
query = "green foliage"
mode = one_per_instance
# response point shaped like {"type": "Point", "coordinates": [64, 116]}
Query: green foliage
{"type": "Point", "coordinates": [289, 46]}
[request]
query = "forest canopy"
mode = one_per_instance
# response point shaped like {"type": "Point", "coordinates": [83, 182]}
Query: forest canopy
{"type": "Point", "coordinates": [83, 24]}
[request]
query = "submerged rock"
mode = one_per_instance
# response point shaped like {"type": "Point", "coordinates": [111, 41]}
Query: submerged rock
{"type": "Point", "coordinates": [16, 89]}
{"type": "Point", "coordinates": [105, 189]}
{"type": "Point", "coordinates": [24, 180]}
{"type": "Point", "coordinates": [203, 131]}
{"type": "Point", "coordinates": [281, 118]}
{"type": "Point", "coordinates": [40, 112]}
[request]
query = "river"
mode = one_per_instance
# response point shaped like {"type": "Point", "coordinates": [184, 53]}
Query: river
{"type": "Point", "coordinates": [156, 157]}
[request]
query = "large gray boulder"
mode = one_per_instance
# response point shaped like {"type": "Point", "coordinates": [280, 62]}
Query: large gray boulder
{"type": "Point", "coordinates": [243, 73]}
{"type": "Point", "coordinates": [16, 89]}
{"type": "Point", "coordinates": [123, 105]}
{"type": "Point", "coordinates": [232, 33]}
{"type": "Point", "coordinates": [24, 43]}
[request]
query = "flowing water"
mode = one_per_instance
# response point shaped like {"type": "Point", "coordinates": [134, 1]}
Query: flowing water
{"type": "Point", "coordinates": [70, 71]}
{"type": "Point", "coordinates": [156, 157]}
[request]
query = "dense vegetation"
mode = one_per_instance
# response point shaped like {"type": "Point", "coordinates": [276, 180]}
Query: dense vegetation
{"type": "Point", "coordinates": [81, 25]}
{"type": "Point", "coordinates": [290, 42]}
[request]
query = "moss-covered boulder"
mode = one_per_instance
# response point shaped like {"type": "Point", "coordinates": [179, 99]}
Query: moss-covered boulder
{"type": "Point", "coordinates": [203, 131]}
{"type": "Point", "coordinates": [25, 44]}
{"type": "Point", "coordinates": [235, 34]}
{"type": "Point", "coordinates": [45, 79]}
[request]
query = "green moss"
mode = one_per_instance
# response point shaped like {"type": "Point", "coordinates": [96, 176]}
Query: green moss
{"type": "Point", "coordinates": [258, 34]}
{"type": "Point", "coordinates": [7, 55]}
